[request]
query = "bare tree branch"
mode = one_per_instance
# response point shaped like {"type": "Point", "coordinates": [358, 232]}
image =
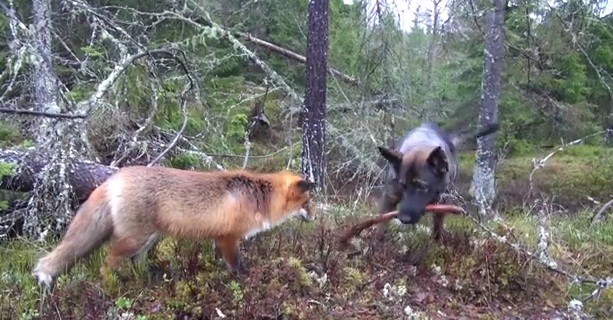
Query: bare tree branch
{"type": "Point", "coordinates": [188, 87]}
{"type": "Point", "coordinates": [600, 215]}
{"type": "Point", "coordinates": [119, 69]}
{"type": "Point", "coordinates": [294, 56]}
{"type": "Point", "coordinates": [43, 113]}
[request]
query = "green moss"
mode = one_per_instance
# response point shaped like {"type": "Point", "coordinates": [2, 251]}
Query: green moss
{"type": "Point", "coordinates": [303, 277]}
{"type": "Point", "coordinates": [353, 278]}
{"type": "Point", "coordinates": [570, 176]}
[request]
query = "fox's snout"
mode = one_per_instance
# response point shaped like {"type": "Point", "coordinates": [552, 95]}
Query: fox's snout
{"type": "Point", "coordinates": [305, 213]}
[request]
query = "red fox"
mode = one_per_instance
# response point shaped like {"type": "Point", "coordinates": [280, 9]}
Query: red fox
{"type": "Point", "coordinates": [138, 204]}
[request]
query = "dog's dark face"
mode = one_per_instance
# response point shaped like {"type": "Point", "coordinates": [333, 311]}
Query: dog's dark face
{"type": "Point", "coordinates": [421, 177]}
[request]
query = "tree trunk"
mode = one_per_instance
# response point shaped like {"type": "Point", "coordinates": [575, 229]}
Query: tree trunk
{"type": "Point", "coordinates": [431, 113]}
{"type": "Point", "coordinates": [45, 88]}
{"type": "Point", "coordinates": [314, 113]}
{"type": "Point", "coordinates": [83, 177]}
{"type": "Point", "coordinates": [483, 179]}
{"type": "Point", "coordinates": [50, 207]}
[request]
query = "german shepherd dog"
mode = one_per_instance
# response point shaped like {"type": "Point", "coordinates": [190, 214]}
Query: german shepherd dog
{"type": "Point", "coordinates": [423, 166]}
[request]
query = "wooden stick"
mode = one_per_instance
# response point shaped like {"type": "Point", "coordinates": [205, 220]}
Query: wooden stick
{"type": "Point", "coordinates": [356, 229]}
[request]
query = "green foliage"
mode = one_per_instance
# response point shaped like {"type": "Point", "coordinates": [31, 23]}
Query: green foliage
{"type": "Point", "coordinates": [184, 161]}
{"type": "Point", "coordinates": [9, 135]}
{"type": "Point", "coordinates": [6, 169]}
{"type": "Point", "coordinates": [123, 303]}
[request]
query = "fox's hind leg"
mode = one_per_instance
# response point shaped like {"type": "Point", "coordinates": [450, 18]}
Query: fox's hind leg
{"type": "Point", "coordinates": [229, 248]}
{"type": "Point", "coordinates": [141, 254]}
{"type": "Point", "coordinates": [125, 247]}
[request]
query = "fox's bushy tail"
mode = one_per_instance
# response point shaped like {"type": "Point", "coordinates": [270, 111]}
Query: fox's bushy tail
{"type": "Point", "coordinates": [91, 226]}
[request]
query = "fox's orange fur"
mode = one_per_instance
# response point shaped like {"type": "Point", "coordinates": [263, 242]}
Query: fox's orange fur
{"type": "Point", "coordinates": [138, 204]}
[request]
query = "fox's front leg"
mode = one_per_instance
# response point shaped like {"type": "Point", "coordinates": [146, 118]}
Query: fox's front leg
{"type": "Point", "coordinates": [228, 248]}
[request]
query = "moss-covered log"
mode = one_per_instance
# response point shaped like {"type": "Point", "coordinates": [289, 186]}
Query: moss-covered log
{"type": "Point", "coordinates": [84, 177]}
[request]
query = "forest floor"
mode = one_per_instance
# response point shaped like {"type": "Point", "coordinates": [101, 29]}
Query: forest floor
{"type": "Point", "coordinates": [298, 271]}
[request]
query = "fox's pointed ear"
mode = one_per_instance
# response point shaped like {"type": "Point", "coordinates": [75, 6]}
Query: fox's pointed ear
{"type": "Point", "coordinates": [438, 160]}
{"type": "Point", "coordinates": [392, 156]}
{"type": "Point", "coordinates": [305, 185]}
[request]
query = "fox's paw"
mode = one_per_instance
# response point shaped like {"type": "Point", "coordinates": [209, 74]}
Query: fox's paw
{"type": "Point", "coordinates": [44, 279]}
{"type": "Point", "coordinates": [238, 269]}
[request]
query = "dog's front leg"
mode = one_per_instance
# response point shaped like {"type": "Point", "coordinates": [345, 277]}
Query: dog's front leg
{"type": "Point", "coordinates": [437, 226]}
{"type": "Point", "coordinates": [388, 203]}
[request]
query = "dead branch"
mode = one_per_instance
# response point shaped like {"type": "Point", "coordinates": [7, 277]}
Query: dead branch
{"type": "Point", "coordinates": [368, 222]}
{"type": "Point", "coordinates": [358, 228]}
{"type": "Point", "coordinates": [119, 69]}
{"type": "Point", "coordinates": [294, 56]}
{"type": "Point", "coordinates": [42, 113]}
{"type": "Point", "coordinates": [188, 87]}
{"type": "Point", "coordinates": [601, 283]}
{"type": "Point", "coordinates": [600, 215]}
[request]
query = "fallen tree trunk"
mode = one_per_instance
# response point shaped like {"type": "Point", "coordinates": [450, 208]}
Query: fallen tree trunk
{"type": "Point", "coordinates": [84, 175]}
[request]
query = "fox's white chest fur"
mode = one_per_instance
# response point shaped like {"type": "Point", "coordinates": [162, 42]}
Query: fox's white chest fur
{"type": "Point", "coordinates": [266, 224]}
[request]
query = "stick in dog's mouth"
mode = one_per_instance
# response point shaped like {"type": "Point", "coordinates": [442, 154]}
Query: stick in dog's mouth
{"type": "Point", "coordinates": [434, 208]}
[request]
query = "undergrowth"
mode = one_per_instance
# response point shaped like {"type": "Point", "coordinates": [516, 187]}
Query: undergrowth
{"type": "Point", "coordinates": [568, 179]}
{"type": "Point", "coordinates": [297, 271]}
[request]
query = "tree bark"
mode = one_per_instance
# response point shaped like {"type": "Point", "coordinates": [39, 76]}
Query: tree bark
{"type": "Point", "coordinates": [483, 178]}
{"type": "Point", "coordinates": [84, 176]}
{"type": "Point", "coordinates": [314, 113]}
{"type": "Point", "coordinates": [430, 103]}
{"type": "Point", "coordinates": [45, 88]}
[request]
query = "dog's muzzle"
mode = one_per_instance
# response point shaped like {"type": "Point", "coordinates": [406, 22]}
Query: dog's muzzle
{"type": "Point", "coordinates": [409, 218]}
{"type": "Point", "coordinates": [410, 214]}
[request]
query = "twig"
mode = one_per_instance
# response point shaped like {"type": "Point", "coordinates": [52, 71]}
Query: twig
{"type": "Point", "coordinates": [600, 215]}
{"type": "Point", "coordinates": [119, 69]}
{"type": "Point", "coordinates": [189, 86]}
{"type": "Point", "coordinates": [43, 114]}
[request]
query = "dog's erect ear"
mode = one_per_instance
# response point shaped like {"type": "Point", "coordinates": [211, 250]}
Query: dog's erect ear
{"type": "Point", "coordinates": [305, 185]}
{"type": "Point", "coordinates": [438, 160]}
{"type": "Point", "coordinates": [394, 157]}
